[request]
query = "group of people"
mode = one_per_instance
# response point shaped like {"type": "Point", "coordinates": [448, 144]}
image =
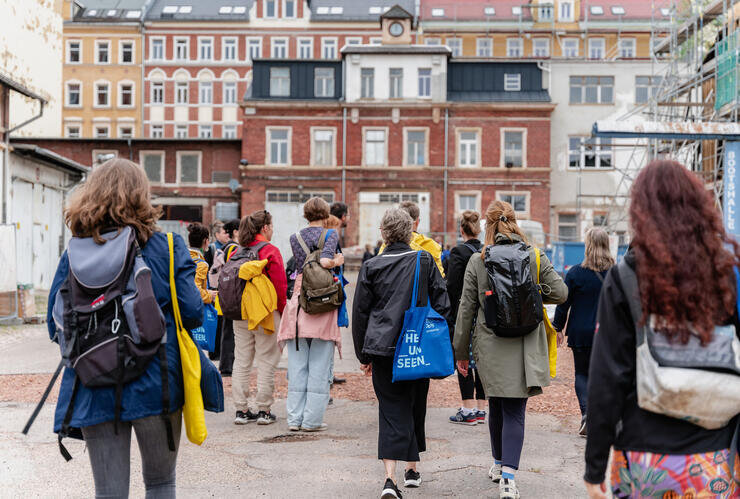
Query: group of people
{"type": "Point", "coordinates": [681, 255]}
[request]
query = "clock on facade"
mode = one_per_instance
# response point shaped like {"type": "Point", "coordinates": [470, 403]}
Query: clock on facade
{"type": "Point", "coordinates": [396, 29]}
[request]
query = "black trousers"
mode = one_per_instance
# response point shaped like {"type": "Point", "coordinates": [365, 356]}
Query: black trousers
{"type": "Point", "coordinates": [227, 347]}
{"type": "Point", "coordinates": [471, 386]}
{"type": "Point", "coordinates": [402, 408]}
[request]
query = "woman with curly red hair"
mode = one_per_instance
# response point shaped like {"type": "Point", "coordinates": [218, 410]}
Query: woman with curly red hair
{"type": "Point", "coordinates": [684, 262]}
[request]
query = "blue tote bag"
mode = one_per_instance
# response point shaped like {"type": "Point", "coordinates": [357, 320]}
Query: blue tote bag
{"type": "Point", "coordinates": [423, 349]}
{"type": "Point", "coordinates": [205, 335]}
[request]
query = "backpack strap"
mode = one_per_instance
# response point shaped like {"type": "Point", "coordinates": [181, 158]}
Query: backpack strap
{"type": "Point", "coordinates": [258, 247]}
{"type": "Point", "coordinates": [471, 247]}
{"type": "Point", "coordinates": [631, 290]}
{"type": "Point", "coordinates": [64, 432]}
{"type": "Point", "coordinates": [322, 239]}
{"type": "Point", "coordinates": [302, 243]}
{"type": "Point", "coordinates": [36, 411]}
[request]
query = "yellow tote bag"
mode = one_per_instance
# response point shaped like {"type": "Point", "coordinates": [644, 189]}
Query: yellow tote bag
{"type": "Point", "coordinates": [552, 335]}
{"type": "Point", "coordinates": [193, 411]}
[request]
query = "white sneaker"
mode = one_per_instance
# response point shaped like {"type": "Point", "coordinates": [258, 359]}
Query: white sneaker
{"type": "Point", "coordinates": [294, 428]}
{"type": "Point", "coordinates": [321, 427]}
{"type": "Point", "coordinates": [495, 473]}
{"type": "Point", "coordinates": [507, 489]}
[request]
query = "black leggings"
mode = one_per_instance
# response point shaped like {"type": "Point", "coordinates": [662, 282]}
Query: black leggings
{"type": "Point", "coordinates": [506, 425]}
{"type": "Point", "coordinates": [471, 386]}
{"type": "Point", "coordinates": [582, 361]}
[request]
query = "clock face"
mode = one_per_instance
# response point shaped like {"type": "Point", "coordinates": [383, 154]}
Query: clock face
{"type": "Point", "coordinates": [396, 29]}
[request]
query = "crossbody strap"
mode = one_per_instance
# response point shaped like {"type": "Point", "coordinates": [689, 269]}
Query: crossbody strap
{"type": "Point", "coordinates": [632, 293]}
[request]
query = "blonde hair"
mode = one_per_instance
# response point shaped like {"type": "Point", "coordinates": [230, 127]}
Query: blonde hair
{"type": "Point", "coordinates": [332, 223]}
{"type": "Point", "coordinates": [598, 257]}
{"type": "Point", "coordinates": [501, 219]}
{"type": "Point", "coordinates": [115, 195]}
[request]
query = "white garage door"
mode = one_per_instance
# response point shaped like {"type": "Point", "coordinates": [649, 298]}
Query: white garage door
{"type": "Point", "coordinates": [374, 204]}
{"type": "Point", "coordinates": [286, 209]}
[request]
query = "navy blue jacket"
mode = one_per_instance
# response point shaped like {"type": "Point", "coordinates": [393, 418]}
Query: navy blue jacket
{"type": "Point", "coordinates": [584, 287]}
{"type": "Point", "coordinates": [142, 397]}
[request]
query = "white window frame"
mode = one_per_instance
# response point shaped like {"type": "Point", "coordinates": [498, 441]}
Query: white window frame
{"type": "Point", "coordinates": [161, 153]}
{"type": "Point", "coordinates": [178, 156]}
{"type": "Point", "coordinates": [284, 9]}
{"type": "Point", "coordinates": [514, 43]}
{"type": "Point", "coordinates": [178, 86]}
{"type": "Point", "coordinates": [67, 133]}
{"type": "Point", "coordinates": [545, 13]}
{"type": "Point", "coordinates": [512, 82]}
{"type": "Point", "coordinates": [285, 45]}
{"type": "Point", "coordinates": [457, 49]}
{"type": "Point", "coordinates": [406, 131]}
{"type": "Point", "coordinates": [621, 48]}
{"type": "Point", "coordinates": [459, 143]}
{"type": "Point", "coordinates": [159, 133]}
{"type": "Point", "coordinates": [133, 52]}
{"type": "Point", "coordinates": [98, 44]}
{"type": "Point", "coordinates": [201, 44]}
{"type": "Point", "coordinates": [598, 153]}
{"type": "Point", "coordinates": [153, 87]}
{"type": "Point", "coordinates": [566, 49]}
{"type": "Point", "coordinates": [179, 129]}
{"type": "Point", "coordinates": [599, 92]}
{"type": "Point", "coordinates": [282, 78]}
{"type": "Point", "coordinates": [480, 47]}
{"type": "Point", "coordinates": [225, 93]}
{"type": "Point", "coordinates": [333, 155]}
{"type": "Point", "coordinates": [503, 145]}
{"type": "Point", "coordinates": [459, 209]}
{"type": "Point", "coordinates": [304, 43]}
{"type": "Point", "coordinates": [366, 129]}
{"type": "Point", "coordinates": [393, 89]}
{"type": "Point", "coordinates": [66, 94]}
{"type": "Point", "coordinates": [226, 43]}
{"type": "Point", "coordinates": [654, 84]}
{"type": "Point", "coordinates": [268, 144]}
{"type": "Point", "coordinates": [250, 45]}
{"type": "Point", "coordinates": [324, 83]}
{"type": "Point", "coordinates": [376, 40]}
{"type": "Point", "coordinates": [535, 49]}
{"type": "Point", "coordinates": [176, 41]}
{"type": "Point", "coordinates": [566, 17]}
{"type": "Point", "coordinates": [325, 41]}
{"type": "Point", "coordinates": [151, 48]}
{"type": "Point", "coordinates": [427, 84]}
{"type": "Point", "coordinates": [353, 40]}
{"type": "Point", "coordinates": [574, 224]}
{"type": "Point", "coordinates": [371, 87]}
{"type": "Point", "coordinates": [264, 9]}
{"type": "Point", "coordinates": [96, 84]}
{"type": "Point", "coordinates": [125, 125]}
{"type": "Point", "coordinates": [202, 87]}
{"type": "Point", "coordinates": [97, 126]}
{"type": "Point", "coordinates": [593, 44]}
{"type": "Point", "coordinates": [433, 41]}
{"type": "Point", "coordinates": [522, 215]}
{"type": "Point", "coordinates": [205, 131]}
{"type": "Point", "coordinates": [69, 51]}
{"type": "Point", "coordinates": [226, 135]}
{"type": "Point", "coordinates": [119, 97]}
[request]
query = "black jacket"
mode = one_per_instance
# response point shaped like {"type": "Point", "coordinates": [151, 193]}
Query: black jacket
{"type": "Point", "coordinates": [456, 264]}
{"type": "Point", "coordinates": [614, 417]}
{"type": "Point", "coordinates": [383, 294]}
{"type": "Point", "coordinates": [584, 287]}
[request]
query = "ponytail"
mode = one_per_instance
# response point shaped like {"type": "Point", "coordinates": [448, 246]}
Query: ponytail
{"type": "Point", "coordinates": [252, 225]}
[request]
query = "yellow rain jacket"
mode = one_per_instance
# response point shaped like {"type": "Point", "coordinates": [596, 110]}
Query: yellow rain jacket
{"type": "Point", "coordinates": [259, 299]}
{"type": "Point", "coordinates": [201, 275]}
{"type": "Point", "coordinates": [421, 242]}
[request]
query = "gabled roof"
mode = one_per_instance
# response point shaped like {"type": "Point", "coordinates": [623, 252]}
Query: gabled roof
{"type": "Point", "coordinates": [397, 12]}
{"type": "Point", "coordinates": [199, 10]}
{"type": "Point", "coordinates": [355, 10]}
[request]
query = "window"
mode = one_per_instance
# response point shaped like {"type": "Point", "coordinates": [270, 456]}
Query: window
{"type": "Point", "coordinates": [617, 10]}
{"type": "Point", "coordinates": [591, 89]}
{"type": "Point", "coordinates": [289, 9]}
{"type": "Point", "coordinates": [396, 82]}
{"type": "Point", "coordinates": [425, 82]}
{"type": "Point", "coordinates": [514, 47]}
{"type": "Point", "coordinates": [181, 131]}
{"type": "Point", "coordinates": [125, 131]}
{"type": "Point", "coordinates": [432, 41]}
{"type": "Point", "coordinates": [157, 92]}
{"type": "Point", "coordinates": [205, 131]}
{"type": "Point", "coordinates": [416, 149]}
{"type": "Point", "coordinates": [438, 12]}
{"type": "Point", "coordinates": [567, 226]}
{"type": "Point", "coordinates": [329, 48]}
{"type": "Point", "coordinates": [157, 49]}
{"type": "Point", "coordinates": [323, 147]}
{"type": "Point", "coordinates": [228, 131]}
{"type": "Point", "coordinates": [205, 49]}
{"type": "Point", "coordinates": [72, 131]}
{"type": "Point", "coordinates": [125, 94]}
{"type": "Point", "coordinates": [516, 11]}
{"type": "Point", "coordinates": [102, 131]}
{"type": "Point", "coordinates": [455, 45]}
{"type": "Point", "coordinates": [188, 167]}
{"type": "Point", "coordinates": [279, 82]}
{"type": "Point", "coordinates": [157, 131]}
{"type": "Point", "coordinates": [270, 8]}
{"type": "Point", "coordinates": [182, 48]}
{"type": "Point", "coordinates": [367, 79]}
{"type": "Point", "coordinates": [512, 82]}
{"type": "Point", "coordinates": [102, 52]}
{"type": "Point", "coordinates": [484, 47]}
{"type": "Point", "coordinates": [205, 92]}
{"type": "Point", "coordinates": [597, 10]}
{"type": "Point", "coordinates": [468, 149]}
{"type": "Point", "coordinates": [279, 48]}
{"type": "Point", "coordinates": [375, 147]}
{"type": "Point", "coordinates": [596, 48]}
{"type": "Point", "coordinates": [514, 144]}
{"type": "Point", "coordinates": [541, 47]}
{"type": "Point", "coordinates": [254, 46]}
{"type": "Point", "coordinates": [153, 164]}
{"type": "Point", "coordinates": [74, 52]}
{"type": "Point", "coordinates": [102, 94]}
{"type": "Point", "coordinates": [544, 13]}
{"type": "Point", "coordinates": [626, 48]}
{"type": "Point", "coordinates": [305, 48]}
{"type": "Point", "coordinates": [229, 92]}
{"type": "Point", "coordinates": [74, 94]}
{"type": "Point", "coordinates": [566, 11]}
{"type": "Point", "coordinates": [229, 49]}
{"type": "Point", "coordinates": [588, 152]}
{"type": "Point", "coordinates": [467, 201]}
{"type": "Point", "coordinates": [127, 52]}
{"type": "Point", "coordinates": [518, 200]}
{"type": "Point", "coordinates": [375, 40]}
{"type": "Point", "coordinates": [278, 143]}
{"type": "Point", "coordinates": [354, 40]}
{"type": "Point", "coordinates": [601, 219]}
{"type": "Point", "coordinates": [646, 87]}
{"type": "Point", "coordinates": [323, 79]}
{"type": "Point", "coordinates": [181, 92]}
{"type": "Point", "coordinates": [570, 47]}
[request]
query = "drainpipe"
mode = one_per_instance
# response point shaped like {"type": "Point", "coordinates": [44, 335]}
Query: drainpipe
{"type": "Point", "coordinates": [542, 67]}
{"type": "Point", "coordinates": [142, 95]}
{"type": "Point", "coordinates": [344, 155]}
{"type": "Point", "coordinates": [444, 209]}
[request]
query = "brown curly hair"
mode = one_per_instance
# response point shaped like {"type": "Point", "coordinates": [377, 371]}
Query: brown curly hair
{"type": "Point", "coordinates": [684, 267]}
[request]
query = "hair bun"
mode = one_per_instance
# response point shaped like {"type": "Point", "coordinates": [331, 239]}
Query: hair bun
{"type": "Point", "coordinates": [471, 216]}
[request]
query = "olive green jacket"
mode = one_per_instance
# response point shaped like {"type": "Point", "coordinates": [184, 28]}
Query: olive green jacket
{"type": "Point", "coordinates": [508, 367]}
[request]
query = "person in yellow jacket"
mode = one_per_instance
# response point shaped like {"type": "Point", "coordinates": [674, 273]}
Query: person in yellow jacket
{"type": "Point", "coordinates": [198, 239]}
{"type": "Point", "coordinates": [420, 241]}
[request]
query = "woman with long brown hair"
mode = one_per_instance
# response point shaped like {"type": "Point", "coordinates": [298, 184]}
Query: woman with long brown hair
{"type": "Point", "coordinates": [114, 198]}
{"type": "Point", "coordinates": [584, 282]}
{"type": "Point", "coordinates": [512, 368]}
{"type": "Point", "coordinates": [684, 264]}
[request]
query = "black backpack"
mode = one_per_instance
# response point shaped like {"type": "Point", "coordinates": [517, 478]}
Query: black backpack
{"type": "Point", "coordinates": [513, 305]}
{"type": "Point", "coordinates": [230, 286]}
{"type": "Point", "coordinates": [108, 323]}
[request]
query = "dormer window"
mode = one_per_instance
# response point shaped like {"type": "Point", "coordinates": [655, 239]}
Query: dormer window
{"type": "Point", "coordinates": [489, 11]}
{"type": "Point", "coordinates": [512, 82]}
{"type": "Point", "coordinates": [566, 11]}
{"type": "Point", "coordinates": [438, 12]}
{"type": "Point", "coordinates": [618, 10]}
{"type": "Point", "coordinates": [516, 11]}
{"type": "Point", "coordinates": [597, 10]}
{"type": "Point", "coordinates": [322, 10]}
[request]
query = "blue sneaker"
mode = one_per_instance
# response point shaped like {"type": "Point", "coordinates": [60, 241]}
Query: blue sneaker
{"type": "Point", "coordinates": [481, 416]}
{"type": "Point", "coordinates": [468, 419]}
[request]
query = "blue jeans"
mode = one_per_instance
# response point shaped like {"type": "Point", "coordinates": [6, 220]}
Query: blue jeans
{"type": "Point", "coordinates": [308, 381]}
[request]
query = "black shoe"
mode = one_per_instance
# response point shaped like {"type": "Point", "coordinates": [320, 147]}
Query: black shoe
{"type": "Point", "coordinates": [390, 491]}
{"type": "Point", "coordinates": [245, 417]}
{"type": "Point", "coordinates": [265, 418]}
{"type": "Point", "coordinates": [339, 381]}
{"type": "Point", "coordinates": [331, 401]}
{"type": "Point", "coordinates": [412, 479]}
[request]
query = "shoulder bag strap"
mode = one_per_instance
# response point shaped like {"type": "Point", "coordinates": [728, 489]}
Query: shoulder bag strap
{"type": "Point", "coordinates": [537, 259]}
{"type": "Point", "coordinates": [415, 294]}
{"type": "Point", "coordinates": [302, 243]}
{"type": "Point", "coordinates": [601, 277]}
{"type": "Point", "coordinates": [471, 247]}
{"type": "Point", "coordinates": [322, 239]}
{"type": "Point", "coordinates": [632, 293]}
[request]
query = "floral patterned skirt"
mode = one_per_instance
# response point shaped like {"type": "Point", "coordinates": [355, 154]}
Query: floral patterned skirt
{"type": "Point", "coordinates": [666, 476]}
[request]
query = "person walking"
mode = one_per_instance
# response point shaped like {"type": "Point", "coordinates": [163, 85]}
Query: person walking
{"type": "Point", "coordinates": [680, 271]}
{"type": "Point", "coordinates": [384, 290]}
{"type": "Point", "coordinates": [584, 282]}
{"type": "Point", "coordinates": [310, 338]}
{"type": "Point", "coordinates": [512, 369]}
{"type": "Point", "coordinates": [198, 239]}
{"type": "Point", "coordinates": [473, 410]}
{"type": "Point", "coordinates": [226, 345]}
{"type": "Point", "coordinates": [116, 197]}
{"type": "Point", "coordinates": [258, 345]}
